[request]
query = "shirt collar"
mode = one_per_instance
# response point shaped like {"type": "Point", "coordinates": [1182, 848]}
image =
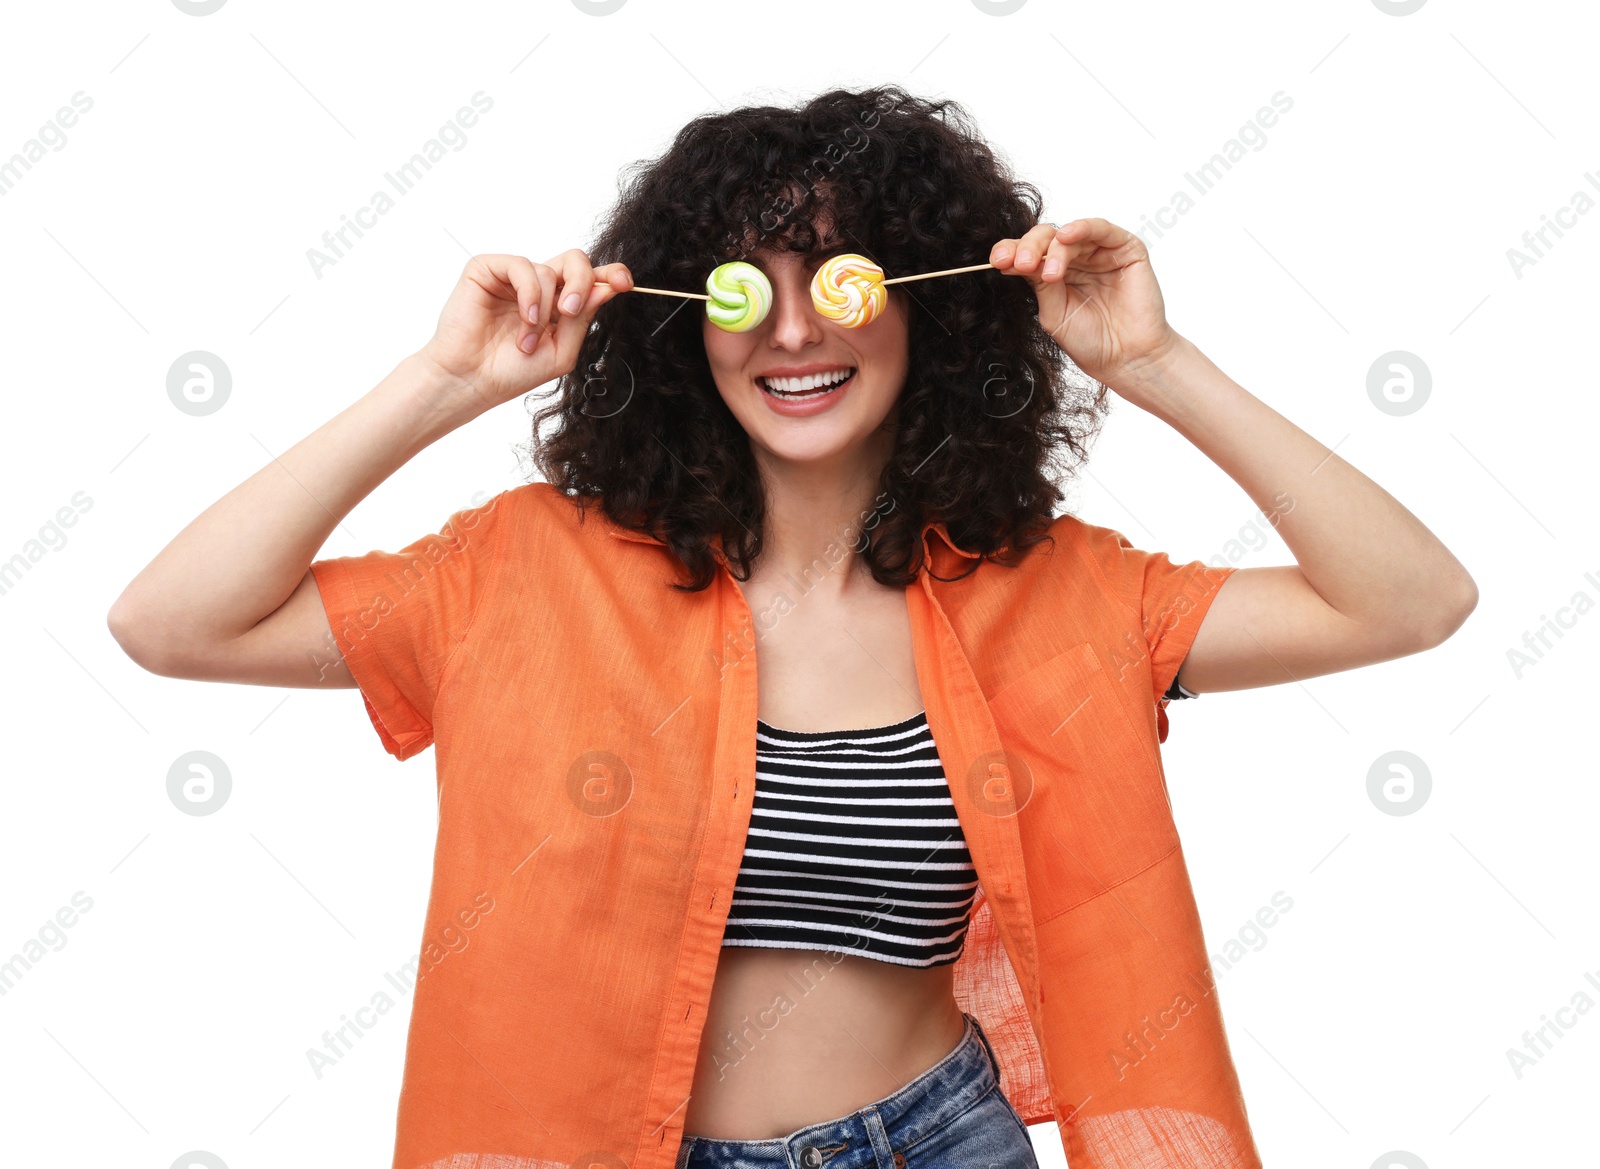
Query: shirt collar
{"type": "Point", "coordinates": [936, 526]}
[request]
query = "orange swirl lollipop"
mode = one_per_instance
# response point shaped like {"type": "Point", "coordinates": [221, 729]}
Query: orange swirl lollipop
{"type": "Point", "coordinates": [849, 289]}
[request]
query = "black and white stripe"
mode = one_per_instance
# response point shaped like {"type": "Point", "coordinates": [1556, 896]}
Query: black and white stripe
{"type": "Point", "coordinates": [854, 846]}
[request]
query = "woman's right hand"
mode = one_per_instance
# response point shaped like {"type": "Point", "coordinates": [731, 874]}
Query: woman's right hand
{"type": "Point", "coordinates": [510, 325]}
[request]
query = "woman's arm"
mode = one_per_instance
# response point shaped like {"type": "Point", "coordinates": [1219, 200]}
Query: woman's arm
{"type": "Point", "coordinates": [232, 598]}
{"type": "Point", "coordinates": [1370, 583]}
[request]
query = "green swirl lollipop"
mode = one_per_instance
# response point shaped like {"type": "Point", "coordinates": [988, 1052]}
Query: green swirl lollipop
{"type": "Point", "coordinates": [740, 296]}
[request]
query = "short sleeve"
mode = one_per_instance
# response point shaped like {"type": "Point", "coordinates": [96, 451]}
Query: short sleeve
{"type": "Point", "coordinates": [1172, 599]}
{"type": "Point", "coordinates": [398, 617]}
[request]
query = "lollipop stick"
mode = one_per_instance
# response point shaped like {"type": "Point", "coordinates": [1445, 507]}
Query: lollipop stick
{"type": "Point", "coordinates": [669, 292]}
{"type": "Point", "coordinates": [931, 275]}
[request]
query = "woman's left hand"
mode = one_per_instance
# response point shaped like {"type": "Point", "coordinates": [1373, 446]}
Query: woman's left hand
{"type": "Point", "coordinates": [1097, 295]}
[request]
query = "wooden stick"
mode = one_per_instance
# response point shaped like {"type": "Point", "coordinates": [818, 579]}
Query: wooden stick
{"type": "Point", "coordinates": [946, 272]}
{"type": "Point", "coordinates": [669, 292]}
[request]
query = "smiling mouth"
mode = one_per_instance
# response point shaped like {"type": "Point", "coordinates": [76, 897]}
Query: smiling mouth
{"type": "Point", "coordinates": [800, 389]}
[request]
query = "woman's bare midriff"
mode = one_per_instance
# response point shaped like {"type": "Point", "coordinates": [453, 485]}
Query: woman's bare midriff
{"type": "Point", "coordinates": [795, 1037]}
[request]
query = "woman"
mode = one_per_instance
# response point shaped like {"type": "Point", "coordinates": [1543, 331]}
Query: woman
{"type": "Point", "coordinates": [788, 500]}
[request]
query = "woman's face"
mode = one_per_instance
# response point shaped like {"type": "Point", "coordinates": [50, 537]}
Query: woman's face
{"type": "Point", "coordinates": [830, 423]}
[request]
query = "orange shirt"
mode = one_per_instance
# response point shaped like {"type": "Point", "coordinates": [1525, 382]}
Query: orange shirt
{"type": "Point", "coordinates": [595, 746]}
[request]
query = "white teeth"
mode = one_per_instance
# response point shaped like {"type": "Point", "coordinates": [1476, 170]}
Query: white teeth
{"type": "Point", "coordinates": [801, 385]}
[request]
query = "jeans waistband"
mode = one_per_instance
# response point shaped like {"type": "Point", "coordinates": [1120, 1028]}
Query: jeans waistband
{"type": "Point", "coordinates": [926, 1104]}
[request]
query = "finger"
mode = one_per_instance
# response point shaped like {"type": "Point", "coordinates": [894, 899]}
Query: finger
{"type": "Point", "coordinates": [1088, 235]}
{"type": "Point", "coordinates": [518, 273]}
{"type": "Point", "coordinates": [1022, 254]}
{"type": "Point", "coordinates": [545, 306]}
{"type": "Point", "coordinates": [1102, 231]}
{"type": "Point", "coordinates": [1003, 253]}
{"type": "Point", "coordinates": [577, 278]}
{"type": "Point", "coordinates": [495, 273]}
{"type": "Point", "coordinates": [1031, 248]}
{"type": "Point", "coordinates": [616, 275]}
{"type": "Point", "coordinates": [1057, 255]}
{"type": "Point", "coordinates": [510, 278]}
{"type": "Point", "coordinates": [569, 330]}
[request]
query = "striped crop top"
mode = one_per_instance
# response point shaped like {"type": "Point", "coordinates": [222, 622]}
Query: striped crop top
{"type": "Point", "coordinates": [854, 846]}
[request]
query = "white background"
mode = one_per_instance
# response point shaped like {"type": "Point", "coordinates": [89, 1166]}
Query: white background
{"type": "Point", "coordinates": [1378, 216]}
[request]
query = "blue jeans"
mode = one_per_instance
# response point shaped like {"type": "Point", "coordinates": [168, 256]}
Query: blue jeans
{"type": "Point", "coordinates": [952, 1116]}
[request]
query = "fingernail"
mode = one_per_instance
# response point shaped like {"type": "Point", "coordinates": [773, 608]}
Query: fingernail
{"type": "Point", "coordinates": [533, 314]}
{"type": "Point", "coordinates": [528, 342]}
{"type": "Point", "coordinates": [1051, 267]}
{"type": "Point", "coordinates": [1003, 254]}
{"type": "Point", "coordinates": [572, 304]}
{"type": "Point", "coordinates": [1024, 256]}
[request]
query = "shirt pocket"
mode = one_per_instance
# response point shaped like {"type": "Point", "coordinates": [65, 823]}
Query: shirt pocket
{"type": "Point", "coordinates": [1091, 797]}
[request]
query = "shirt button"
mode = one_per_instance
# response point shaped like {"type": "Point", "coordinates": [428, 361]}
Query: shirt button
{"type": "Point", "coordinates": [810, 1157]}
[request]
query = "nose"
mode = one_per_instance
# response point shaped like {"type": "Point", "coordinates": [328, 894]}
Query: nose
{"type": "Point", "coordinates": [794, 321]}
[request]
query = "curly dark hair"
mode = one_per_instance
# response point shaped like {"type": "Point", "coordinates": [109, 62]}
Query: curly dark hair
{"type": "Point", "coordinates": [991, 406]}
